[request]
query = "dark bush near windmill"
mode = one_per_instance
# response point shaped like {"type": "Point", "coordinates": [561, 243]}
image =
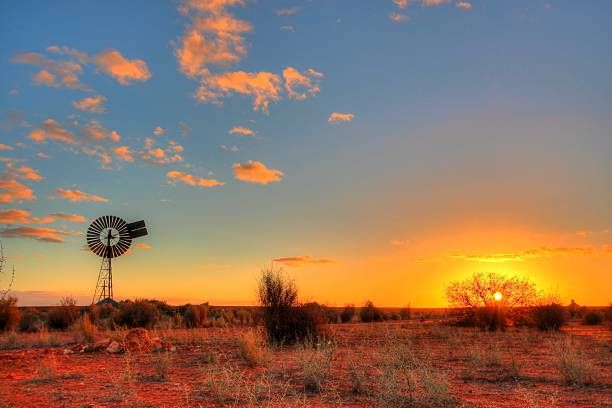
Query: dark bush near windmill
{"type": "Point", "coordinates": [548, 317]}
{"type": "Point", "coordinates": [139, 313]}
{"type": "Point", "coordinates": [63, 316]}
{"type": "Point", "coordinates": [31, 321]}
{"type": "Point", "coordinates": [195, 316]}
{"type": "Point", "coordinates": [347, 313]}
{"type": "Point", "coordinates": [285, 321]}
{"type": "Point", "coordinates": [370, 313]}
{"type": "Point", "coordinates": [9, 314]}
{"type": "Point", "coordinates": [592, 318]}
{"type": "Point", "coordinates": [405, 313]}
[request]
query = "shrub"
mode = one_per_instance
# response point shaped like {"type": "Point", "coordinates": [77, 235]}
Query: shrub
{"type": "Point", "coordinates": [347, 313]}
{"type": "Point", "coordinates": [86, 330]}
{"type": "Point", "coordinates": [548, 317]}
{"type": "Point", "coordinates": [370, 313]}
{"type": "Point", "coordinates": [284, 320]}
{"type": "Point", "coordinates": [31, 321]}
{"type": "Point", "coordinates": [592, 318]}
{"type": "Point", "coordinates": [250, 350]}
{"type": "Point", "coordinates": [195, 315]}
{"type": "Point", "coordinates": [140, 313]}
{"type": "Point", "coordinates": [63, 316]}
{"type": "Point", "coordinates": [573, 365]}
{"type": "Point", "coordinates": [9, 314]}
{"type": "Point", "coordinates": [405, 313]}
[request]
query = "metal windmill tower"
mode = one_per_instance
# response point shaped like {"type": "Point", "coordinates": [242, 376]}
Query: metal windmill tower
{"type": "Point", "coordinates": [110, 237]}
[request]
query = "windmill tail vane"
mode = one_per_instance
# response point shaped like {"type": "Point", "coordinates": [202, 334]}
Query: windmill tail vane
{"type": "Point", "coordinates": [110, 237]}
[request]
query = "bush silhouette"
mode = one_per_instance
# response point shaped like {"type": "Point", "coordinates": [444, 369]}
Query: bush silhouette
{"type": "Point", "coordinates": [548, 317]}
{"type": "Point", "coordinates": [195, 315]}
{"type": "Point", "coordinates": [139, 313]}
{"type": "Point", "coordinates": [31, 321]}
{"type": "Point", "coordinates": [285, 321]}
{"type": "Point", "coordinates": [405, 313]}
{"type": "Point", "coordinates": [63, 316]}
{"type": "Point", "coordinates": [370, 313]}
{"type": "Point", "coordinates": [9, 314]}
{"type": "Point", "coordinates": [592, 318]}
{"type": "Point", "coordinates": [347, 313]}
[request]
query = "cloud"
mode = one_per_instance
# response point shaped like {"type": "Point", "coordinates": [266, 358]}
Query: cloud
{"type": "Point", "coordinates": [401, 3]}
{"type": "Point", "coordinates": [232, 148]}
{"type": "Point", "coordinates": [191, 180]}
{"type": "Point", "coordinates": [92, 104]}
{"type": "Point", "coordinates": [463, 5]}
{"type": "Point", "coordinates": [51, 130]}
{"type": "Point", "coordinates": [429, 3]}
{"type": "Point", "coordinates": [184, 128]}
{"type": "Point", "coordinates": [262, 87]}
{"type": "Point", "coordinates": [27, 173]}
{"type": "Point", "coordinates": [300, 85]}
{"type": "Point", "coordinates": [256, 172]}
{"type": "Point", "coordinates": [159, 131]}
{"type": "Point", "coordinates": [287, 28]}
{"type": "Point", "coordinates": [142, 245]}
{"type": "Point", "coordinates": [297, 261]}
{"type": "Point", "coordinates": [159, 156]}
{"type": "Point", "coordinates": [123, 153]}
{"type": "Point", "coordinates": [77, 196]}
{"type": "Point", "coordinates": [69, 217]}
{"type": "Point", "coordinates": [97, 133]}
{"type": "Point", "coordinates": [124, 70]}
{"type": "Point", "coordinates": [336, 117]}
{"type": "Point", "coordinates": [239, 130]}
{"type": "Point", "coordinates": [15, 216]}
{"type": "Point", "coordinates": [214, 39]}
{"type": "Point", "coordinates": [5, 147]}
{"type": "Point", "coordinates": [287, 11]}
{"type": "Point", "coordinates": [13, 191]}
{"type": "Point", "coordinates": [56, 74]}
{"type": "Point", "coordinates": [40, 234]}
{"type": "Point", "coordinates": [42, 155]}
{"type": "Point", "coordinates": [541, 252]}
{"type": "Point", "coordinates": [397, 17]}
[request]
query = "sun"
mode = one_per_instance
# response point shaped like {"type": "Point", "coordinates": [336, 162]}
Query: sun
{"type": "Point", "coordinates": [497, 296]}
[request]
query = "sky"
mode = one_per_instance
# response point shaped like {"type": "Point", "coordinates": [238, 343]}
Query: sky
{"type": "Point", "coordinates": [373, 150]}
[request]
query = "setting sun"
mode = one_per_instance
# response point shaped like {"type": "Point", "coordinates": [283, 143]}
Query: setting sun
{"type": "Point", "coordinates": [497, 296]}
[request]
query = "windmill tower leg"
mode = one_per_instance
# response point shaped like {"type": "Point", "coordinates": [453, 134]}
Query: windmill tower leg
{"type": "Point", "coordinates": [104, 286]}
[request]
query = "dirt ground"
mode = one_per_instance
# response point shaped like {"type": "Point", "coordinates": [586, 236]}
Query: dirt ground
{"type": "Point", "coordinates": [409, 363]}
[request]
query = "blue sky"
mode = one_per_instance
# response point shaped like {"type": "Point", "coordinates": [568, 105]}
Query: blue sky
{"type": "Point", "coordinates": [474, 130]}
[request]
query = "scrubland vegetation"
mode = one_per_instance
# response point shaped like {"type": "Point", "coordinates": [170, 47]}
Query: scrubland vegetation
{"type": "Point", "coordinates": [288, 353]}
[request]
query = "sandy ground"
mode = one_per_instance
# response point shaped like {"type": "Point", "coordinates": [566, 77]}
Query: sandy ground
{"type": "Point", "coordinates": [364, 365]}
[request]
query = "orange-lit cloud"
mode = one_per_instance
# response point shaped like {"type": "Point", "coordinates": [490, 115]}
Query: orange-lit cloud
{"type": "Point", "coordinates": [397, 17]}
{"type": "Point", "coordinates": [27, 173]}
{"type": "Point", "coordinates": [300, 85]}
{"type": "Point", "coordinates": [97, 133]}
{"type": "Point", "coordinates": [56, 74]}
{"type": "Point", "coordinates": [159, 156]}
{"type": "Point", "coordinates": [94, 104]}
{"type": "Point", "coordinates": [124, 70]}
{"type": "Point", "coordinates": [465, 5]}
{"type": "Point", "coordinates": [39, 234]}
{"type": "Point", "coordinates": [12, 190]}
{"type": "Point", "coordinates": [5, 147]}
{"type": "Point", "coordinates": [142, 245]}
{"type": "Point", "coordinates": [51, 130]}
{"type": "Point", "coordinates": [123, 153]}
{"type": "Point", "coordinates": [69, 217]}
{"type": "Point", "coordinates": [240, 130]}
{"type": "Point", "coordinates": [256, 172]}
{"type": "Point", "coordinates": [159, 131]}
{"type": "Point", "coordinates": [77, 196]}
{"type": "Point", "coordinates": [262, 87]}
{"type": "Point", "coordinates": [191, 180]}
{"type": "Point", "coordinates": [15, 216]}
{"type": "Point", "coordinates": [429, 3]}
{"type": "Point", "coordinates": [336, 117]}
{"type": "Point", "coordinates": [542, 252]}
{"type": "Point", "coordinates": [296, 261]}
{"type": "Point", "coordinates": [401, 3]}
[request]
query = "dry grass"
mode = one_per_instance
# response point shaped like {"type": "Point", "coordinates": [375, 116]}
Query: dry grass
{"type": "Point", "coordinates": [573, 364]}
{"type": "Point", "coordinates": [250, 349]}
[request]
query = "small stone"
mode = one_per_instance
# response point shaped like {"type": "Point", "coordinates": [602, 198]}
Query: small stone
{"type": "Point", "coordinates": [114, 348]}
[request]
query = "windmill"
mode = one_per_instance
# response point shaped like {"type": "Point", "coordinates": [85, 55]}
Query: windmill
{"type": "Point", "coordinates": [110, 237]}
